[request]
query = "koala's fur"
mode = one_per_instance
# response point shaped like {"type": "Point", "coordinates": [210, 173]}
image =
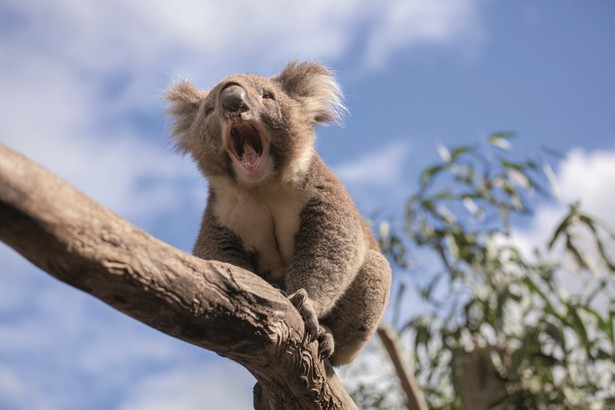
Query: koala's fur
{"type": "Point", "coordinates": [274, 207]}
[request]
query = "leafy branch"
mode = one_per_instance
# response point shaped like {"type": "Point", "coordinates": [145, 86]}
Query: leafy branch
{"type": "Point", "coordinates": [504, 327]}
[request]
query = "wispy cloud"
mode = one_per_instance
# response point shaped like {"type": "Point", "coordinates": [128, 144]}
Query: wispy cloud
{"type": "Point", "coordinates": [192, 388]}
{"type": "Point", "coordinates": [144, 37]}
{"type": "Point", "coordinates": [406, 23]}
{"type": "Point", "coordinates": [56, 118]}
{"type": "Point", "coordinates": [380, 168]}
{"type": "Point", "coordinates": [78, 74]}
{"type": "Point", "coordinates": [376, 179]}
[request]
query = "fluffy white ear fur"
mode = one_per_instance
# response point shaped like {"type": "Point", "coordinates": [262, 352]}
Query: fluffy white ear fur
{"type": "Point", "coordinates": [315, 88]}
{"type": "Point", "coordinates": [185, 102]}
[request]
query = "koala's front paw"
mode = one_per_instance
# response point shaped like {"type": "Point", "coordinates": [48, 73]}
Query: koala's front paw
{"type": "Point", "coordinates": [326, 346]}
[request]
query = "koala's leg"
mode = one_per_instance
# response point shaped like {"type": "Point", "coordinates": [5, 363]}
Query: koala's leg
{"type": "Point", "coordinates": [357, 313]}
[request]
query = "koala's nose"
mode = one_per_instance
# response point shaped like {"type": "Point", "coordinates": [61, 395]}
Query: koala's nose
{"type": "Point", "coordinates": [233, 99]}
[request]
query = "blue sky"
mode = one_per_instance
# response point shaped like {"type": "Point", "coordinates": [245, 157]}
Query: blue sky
{"type": "Point", "coordinates": [81, 85]}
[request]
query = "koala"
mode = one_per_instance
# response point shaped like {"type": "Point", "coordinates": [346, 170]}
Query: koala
{"type": "Point", "coordinates": [274, 208]}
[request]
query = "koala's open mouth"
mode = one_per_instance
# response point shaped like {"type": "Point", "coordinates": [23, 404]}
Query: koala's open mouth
{"type": "Point", "coordinates": [248, 148]}
{"type": "Point", "coordinates": [246, 144]}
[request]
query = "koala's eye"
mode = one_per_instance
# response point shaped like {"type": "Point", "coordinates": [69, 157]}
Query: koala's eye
{"type": "Point", "coordinates": [268, 95]}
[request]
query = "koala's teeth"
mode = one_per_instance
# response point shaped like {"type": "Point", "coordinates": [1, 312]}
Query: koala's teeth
{"type": "Point", "coordinates": [250, 156]}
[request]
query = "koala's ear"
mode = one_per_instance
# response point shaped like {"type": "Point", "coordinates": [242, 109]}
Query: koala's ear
{"type": "Point", "coordinates": [313, 85]}
{"type": "Point", "coordinates": [185, 101]}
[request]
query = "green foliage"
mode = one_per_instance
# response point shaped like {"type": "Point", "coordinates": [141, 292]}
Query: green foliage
{"type": "Point", "coordinates": [503, 324]}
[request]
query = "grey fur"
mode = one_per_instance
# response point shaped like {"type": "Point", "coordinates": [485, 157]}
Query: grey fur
{"type": "Point", "coordinates": [275, 208]}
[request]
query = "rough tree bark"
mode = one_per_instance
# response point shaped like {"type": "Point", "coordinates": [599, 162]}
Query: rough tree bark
{"type": "Point", "coordinates": [213, 305]}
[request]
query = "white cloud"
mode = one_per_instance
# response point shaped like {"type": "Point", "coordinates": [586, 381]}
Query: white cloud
{"type": "Point", "coordinates": [405, 23]}
{"type": "Point", "coordinates": [585, 177]}
{"type": "Point", "coordinates": [55, 119]}
{"type": "Point", "coordinates": [75, 71]}
{"type": "Point", "coordinates": [588, 177]}
{"type": "Point", "coordinates": [381, 168]}
{"type": "Point", "coordinates": [582, 176]}
{"type": "Point", "coordinates": [215, 387]}
{"type": "Point", "coordinates": [377, 178]}
{"type": "Point", "coordinates": [318, 29]}
{"type": "Point", "coordinates": [103, 34]}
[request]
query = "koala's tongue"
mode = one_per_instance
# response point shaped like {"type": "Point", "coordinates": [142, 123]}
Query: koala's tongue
{"type": "Point", "coordinates": [249, 156]}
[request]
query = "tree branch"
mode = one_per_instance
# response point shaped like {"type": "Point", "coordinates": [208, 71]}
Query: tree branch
{"type": "Point", "coordinates": [213, 305]}
{"type": "Point", "coordinates": [410, 386]}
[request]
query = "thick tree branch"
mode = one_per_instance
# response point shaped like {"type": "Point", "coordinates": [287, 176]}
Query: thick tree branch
{"type": "Point", "coordinates": [213, 305]}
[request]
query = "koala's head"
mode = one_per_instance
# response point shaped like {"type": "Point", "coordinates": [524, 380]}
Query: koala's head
{"type": "Point", "coordinates": [254, 128]}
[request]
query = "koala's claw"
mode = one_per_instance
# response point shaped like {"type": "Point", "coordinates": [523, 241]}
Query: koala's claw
{"type": "Point", "coordinates": [314, 331]}
{"type": "Point", "coordinates": [326, 346]}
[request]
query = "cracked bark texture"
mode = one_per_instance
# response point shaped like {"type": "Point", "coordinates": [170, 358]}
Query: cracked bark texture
{"type": "Point", "coordinates": [216, 306]}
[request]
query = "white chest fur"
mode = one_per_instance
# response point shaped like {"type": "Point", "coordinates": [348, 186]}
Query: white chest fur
{"type": "Point", "coordinates": [266, 219]}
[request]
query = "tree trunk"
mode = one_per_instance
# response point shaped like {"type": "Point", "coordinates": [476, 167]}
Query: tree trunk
{"type": "Point", "coordinates": [214, 305]}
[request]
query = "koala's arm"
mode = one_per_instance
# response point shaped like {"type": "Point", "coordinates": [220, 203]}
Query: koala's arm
{"type": "Point", "coordinates": [329, 250]}
{"type": "Point", "coordinates": [217, 242]}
